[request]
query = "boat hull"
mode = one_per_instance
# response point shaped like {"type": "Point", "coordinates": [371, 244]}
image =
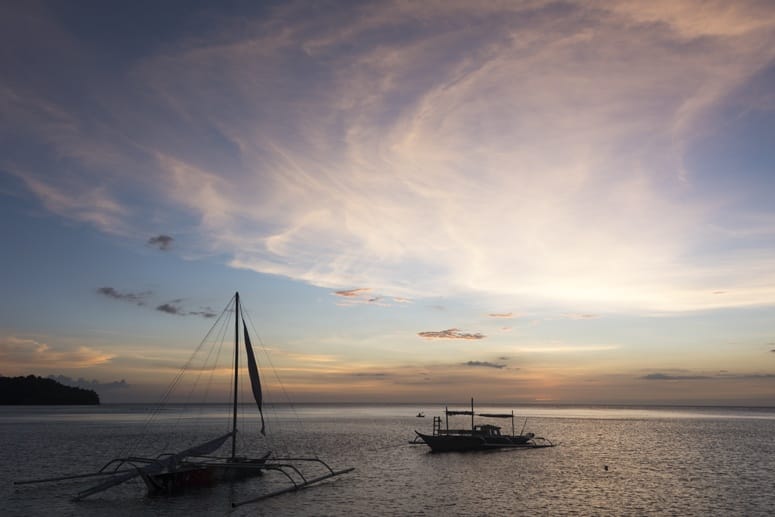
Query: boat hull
{"type": "Point", "coordinates": [462, 443]}
{"type": "Point", "coordinates": [201, 475]}
{"type": "Point", "coordinates": [452, 443]}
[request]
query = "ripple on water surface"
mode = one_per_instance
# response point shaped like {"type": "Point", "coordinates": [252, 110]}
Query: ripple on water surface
{"type": "Point", "coordinates": [659, 463]}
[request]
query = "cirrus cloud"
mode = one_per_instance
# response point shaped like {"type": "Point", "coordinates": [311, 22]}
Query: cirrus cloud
{"type": "Point", "coordinates": [322, 149]}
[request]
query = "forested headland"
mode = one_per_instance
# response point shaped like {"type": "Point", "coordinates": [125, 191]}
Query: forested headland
{"type": "Point", "coordinates": [32, 390]}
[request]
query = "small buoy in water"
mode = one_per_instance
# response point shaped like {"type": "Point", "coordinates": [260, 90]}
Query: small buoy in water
{"type": "Point", "coordinates": [605, 467]}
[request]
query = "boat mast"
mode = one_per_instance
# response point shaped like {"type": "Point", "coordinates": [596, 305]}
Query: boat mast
{"type": "Point", "coordinates": [472, 414]}
{"type": "Point", "coordinates": [236, 370]}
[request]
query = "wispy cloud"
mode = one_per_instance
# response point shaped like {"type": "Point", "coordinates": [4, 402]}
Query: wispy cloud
{"type": "Point", "coordinates": [163, 242]}
{"type": "Point", "coordinates": [669, 377]}
{"type": "Point", "coordinates": [175, 308]}
{"type": "Point", "coordinates": [350, 163]}
{"type": "Point", "coordinates": [205, 313]}
{"type": "Point", "coordinates": [451, 334]}
{"type": "Point", "coordinates": [753, 376]}
{"type": "Point", "coordinates": [365, 295]}
{"type": "Point", "coordinates": [565, 348]}
{"type": "Point", "coordinates": [503, 315]}
{"type": "Point", "coordinates": [139, 298]}
{"type": "Point", "coordinates": [171, 308]}
{"type": "Point", "coordinates": [142, 299]}
{"type": "Point", "coordinates": [485, 364]}
{"type": "Point", "coordinates": [353, 293]}
{"type": "Point", "coordinates": [658, 376]}
{"type": "Point", "coordinates": [32, 355]}
{"type": "Point", "coordinates": [91, 204]}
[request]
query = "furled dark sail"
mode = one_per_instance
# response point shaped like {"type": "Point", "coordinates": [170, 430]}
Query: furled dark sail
{"type": "Point", "coordinates": [255, 381]}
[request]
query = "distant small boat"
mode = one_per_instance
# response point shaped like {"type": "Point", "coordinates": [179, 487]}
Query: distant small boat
{"type": "Point", "coordinates": [480, 436]}
{"type": "Point", "coordinates": [420, 415]}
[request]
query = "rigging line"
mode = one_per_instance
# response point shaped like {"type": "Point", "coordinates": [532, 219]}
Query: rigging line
{"type": "Point", "coordinates": [215, 364]}
{"type": "Point", "coordinates": [200, 368]}
{"type": "Point", "coordinates": [249, 318]}
{"type": "Point", "coordinates": [152, 416]}
{"type": "Point", "coordinates": [196, 352]}
{"type": "Point", "coordinates": [206, 365]}
{"type": "Point", "coordinates": [193, 390]}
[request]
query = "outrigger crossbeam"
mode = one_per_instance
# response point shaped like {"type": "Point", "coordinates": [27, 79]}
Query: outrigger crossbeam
{"type": "Point", "coordinates": [286, 469]}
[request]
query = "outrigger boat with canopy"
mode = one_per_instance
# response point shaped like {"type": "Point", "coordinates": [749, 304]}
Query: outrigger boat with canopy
{"type": "Point", "coordinates": [480, 436]}
{"type": "Point", "coordinates": [172, 473]}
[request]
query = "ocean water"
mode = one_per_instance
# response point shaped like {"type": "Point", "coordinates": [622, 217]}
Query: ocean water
{"type": "Point", "coordinates": [688, 461]}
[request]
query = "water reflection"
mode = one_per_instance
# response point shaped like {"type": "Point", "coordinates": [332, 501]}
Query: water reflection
{"type": "Point", "coordinates": [690, 461]}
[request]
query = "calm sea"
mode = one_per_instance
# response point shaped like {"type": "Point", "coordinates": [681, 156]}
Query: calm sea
{"type": "Point", "coordinates": [688, 461]}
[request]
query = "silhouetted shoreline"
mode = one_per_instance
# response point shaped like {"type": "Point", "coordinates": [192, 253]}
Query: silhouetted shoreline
{"type": "Point", "coordinates": [32, 390]}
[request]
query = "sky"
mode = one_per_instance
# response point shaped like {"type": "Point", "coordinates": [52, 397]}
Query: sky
{"type": "Point", "coordinates": [523, 202]}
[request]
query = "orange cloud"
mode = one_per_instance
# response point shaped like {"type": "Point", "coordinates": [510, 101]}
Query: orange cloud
{"type": "Point", "coordinates": [21, 354]}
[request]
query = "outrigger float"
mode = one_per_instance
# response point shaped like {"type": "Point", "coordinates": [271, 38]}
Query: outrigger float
{"type": "Point", "coordinates": [198, 466]}
{"type": "Point", "coordinates": [479, 437]}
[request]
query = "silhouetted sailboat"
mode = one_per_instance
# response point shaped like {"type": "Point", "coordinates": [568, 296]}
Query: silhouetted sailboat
{"type": "Point", "coordinates": [197, 466]}
{"type": "Point", "coordinates": [480, 436]}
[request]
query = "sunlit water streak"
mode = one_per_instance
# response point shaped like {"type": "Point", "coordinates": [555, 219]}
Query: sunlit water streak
{"type": "Point", "coordinates": [687, 461]}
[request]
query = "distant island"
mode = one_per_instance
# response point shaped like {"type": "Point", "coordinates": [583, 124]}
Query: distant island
{"type": "Point", "coordinates": [32, 390]}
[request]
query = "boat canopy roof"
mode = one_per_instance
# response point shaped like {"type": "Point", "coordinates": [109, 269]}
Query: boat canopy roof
{"type": "Point", "coordinates": [486, 415]}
